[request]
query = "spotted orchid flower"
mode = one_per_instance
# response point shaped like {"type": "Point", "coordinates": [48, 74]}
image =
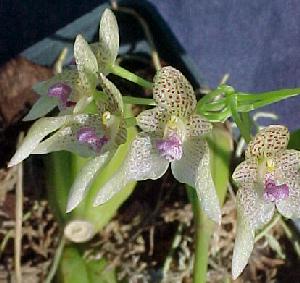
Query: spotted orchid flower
{"type": "Point", "coordinates": [73, 89]}
{"type": "Point", "coordinates": [70, 90]}
{"type": "Point", "coordinates": [268, 178]}
{"type": "Point", "coordinates": [172, 133]}
{"type": "Point", "coordinates": [88, 135]}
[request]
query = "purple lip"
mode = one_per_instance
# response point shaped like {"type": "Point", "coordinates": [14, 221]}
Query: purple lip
{"type": "Point", "coordinates": [88, 136]}
{"type": "Point", "coordinates": [170, 148]}
{"type": "Point", "coordinates": [275, 192]}
{"type": "Point", "coordinates": [62, 92]}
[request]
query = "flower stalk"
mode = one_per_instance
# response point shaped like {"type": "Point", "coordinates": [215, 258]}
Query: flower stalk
{"type": "Point", "coordinates": [125, 74]}
{"type": "Point", "coordinates": [220, 144]}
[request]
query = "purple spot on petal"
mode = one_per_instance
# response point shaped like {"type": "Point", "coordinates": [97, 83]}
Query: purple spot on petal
{"type": "Point", "coordinates": [275, 192]}
{"type": "Point", "coordinates": [61, 91]}
{"type": "Point", "coordinates": [89, 137]}
{"type": "Point", "coordinates": [170, 148]}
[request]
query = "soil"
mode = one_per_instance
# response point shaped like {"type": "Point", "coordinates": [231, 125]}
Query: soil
{"type": "Point", "coordinates": [151, 237]}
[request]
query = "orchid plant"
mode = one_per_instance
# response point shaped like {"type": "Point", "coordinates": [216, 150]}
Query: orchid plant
{"type": "Point", "coordinates": [268, 178]}
{"type": "Point", "coordinates": [175, 131]}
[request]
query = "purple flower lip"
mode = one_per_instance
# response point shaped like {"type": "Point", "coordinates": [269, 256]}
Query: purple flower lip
{"type": "Point", "coordinates": [275, 192]}
{"type": "Point", "coordinates": [62, 92]}
{"type": "Point", "coordinates": [170, 148]}
{"type": "Point", "coordinates": [89, 137]}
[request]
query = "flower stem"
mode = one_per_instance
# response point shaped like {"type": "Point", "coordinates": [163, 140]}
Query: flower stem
{"type": "Point", "coordinates": [204, 228]}
{"type": "Point", "coordinates": [220, 144]}
{"type": "Point", "coordinates": [210, 96]}
{"type": "Point", "coordinates": [244, 126]}
{"type": "Point", "coordinates": [130, 122]}
{"type": "Point", "coordinates": [123, 73]}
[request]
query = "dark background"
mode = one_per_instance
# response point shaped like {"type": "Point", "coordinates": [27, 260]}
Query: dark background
{"type": "Point", "coordinates": [257, 42]}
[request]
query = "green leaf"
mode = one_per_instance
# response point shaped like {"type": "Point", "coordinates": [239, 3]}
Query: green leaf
{"type": "Point", "coordinates": [294, 142]}
{"type": "Point", "coordinates": [72, 267]}
{"type": "Point", "coordinates": [99, 272]}
{"type": "Point", "coordinates": [75, 269]}
{"type": "Point", "coordinates": [59, 180]}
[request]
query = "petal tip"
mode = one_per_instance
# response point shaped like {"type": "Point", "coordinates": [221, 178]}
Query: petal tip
{"type": "Point", "coordinates": [11, 163]}
{"type": "Point", "coordinates": [98, 201]}
{"type": "Point", "coordinates": [237, 269]}
{"type": "Point", "coordinates": [71, 205]}
{"type": "Point", "coordinates": [28, 117]}
{"type": "Point", "coordinates": [217, 217]}
{"type": "Point", "coordinates": [14, 161]}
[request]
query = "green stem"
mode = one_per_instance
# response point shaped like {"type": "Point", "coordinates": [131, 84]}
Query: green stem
{"type": "Point", "coordinates": [138, 100]}
{"type": "Point", "coordinates": [123, 73]}
{"type": "Point", "coordinates": [216, 116]}
{"type": "Point", "coordinates": [203, 228]}
{"type": "Point", "coordinates": [267, 95]}
{"type": "Point", "coordinates": [258, 104]}
{"type": "Point", "coordinates": [215, 105]}
{"type": "Point", "coordinates": [205, 99]}
{"type": "Point", "coordinates": [130, 122]}
{"type": "Point", "coordinates": [245, 131]}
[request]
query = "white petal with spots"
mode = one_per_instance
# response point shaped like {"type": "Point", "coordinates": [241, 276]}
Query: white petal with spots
{"type": "Point", "coordinates": [142, 162]}
{"type": "Point", "coordinates": [86, 62]}
{"type": "Point", "coordinates": [198, 126]}
{"type": "Point", "coordinates": [85, 178]}
{"type": "Point", "coordinates": [108, 47]}
{"type": "Point", "coordinates": [194, 169]}
{"type": "Point", "coordinates": [268, 141]}
{"type": "Point", "coordinates": [42, 107]}
{"type": "Point", "coordinates": [251, 203]}
{"type": "Point", "coordinates": [243, 246]}
{"type": "Point", "coordinates": [115, 102]}
{"type": "Point", "coordinates": [290, 207]}
{"type": "Point", "coordinates": [173, 92]}
{"type": "Point", "coordinates": [66, 137]}
{"type": "Point", "coordinates": [153, 120]}
{"type": "Point", "coordinates": [246, 172]}
{"type": "Point", "coordinates": [39, 130]}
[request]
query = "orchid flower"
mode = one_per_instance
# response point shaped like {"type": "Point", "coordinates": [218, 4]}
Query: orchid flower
{"type": "Point", "coordinates": [172, 133]}
{"type": "Point", "coordinates": [73, 89]}
{"type": "Point", "coordinates": [88, 135]}
{"type": "Point", "coordinates": [268, 178]}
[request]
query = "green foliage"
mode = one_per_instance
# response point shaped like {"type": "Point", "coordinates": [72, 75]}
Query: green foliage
{"type": "Point", "coordinates": [75, 269]}
{"type": "Point", "coordinates": [294, 142]}
{"type": "Point", "coordinates": [216, 107]}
